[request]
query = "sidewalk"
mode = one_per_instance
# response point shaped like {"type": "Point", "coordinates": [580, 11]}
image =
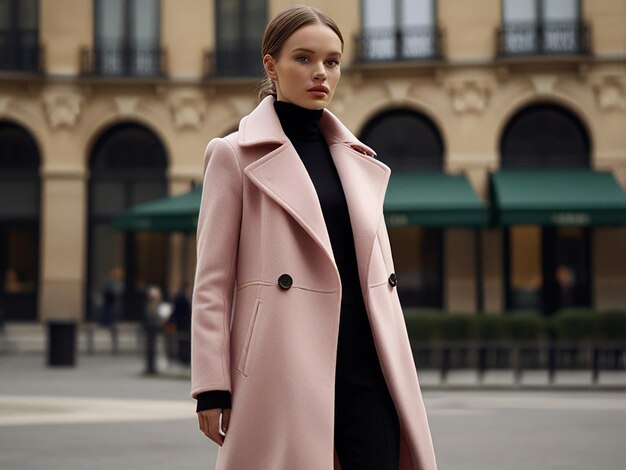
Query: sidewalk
{"type": "Point", "coordinates": [21, 339]}
{"type": "Point", "coordinates": [27, 338]}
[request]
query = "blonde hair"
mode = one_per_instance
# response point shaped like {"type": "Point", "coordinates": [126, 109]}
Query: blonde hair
{"type": "Point", "coordinates": [284, 25]}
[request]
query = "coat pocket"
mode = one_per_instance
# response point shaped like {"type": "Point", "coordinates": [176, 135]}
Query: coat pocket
{"type": "Point", "coordinates": [242, 366]}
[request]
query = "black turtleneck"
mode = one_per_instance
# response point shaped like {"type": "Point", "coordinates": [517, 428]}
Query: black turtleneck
{"type": "Point", "coordinates": [302, 127]}
{"type": "Point", "coordinates": [356, 355]}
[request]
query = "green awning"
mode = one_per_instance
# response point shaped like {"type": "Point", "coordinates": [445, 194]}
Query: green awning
{"type": "Point", "coordinates": [557, 197]}
{"type": "Point", "coordinates": [171, 214]}
{"type": "Point", "coordinates": [432, 199]}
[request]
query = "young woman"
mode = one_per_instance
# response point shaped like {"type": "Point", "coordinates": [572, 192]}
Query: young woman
{"type": "Point", "coordinates": [300, 356]}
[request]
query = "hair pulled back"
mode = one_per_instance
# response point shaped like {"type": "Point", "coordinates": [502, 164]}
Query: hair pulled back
{"type": "Point", "coordinates": [284, 25]}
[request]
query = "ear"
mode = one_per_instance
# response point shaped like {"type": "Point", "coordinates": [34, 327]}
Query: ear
{"type": "Point", "coordinates": [269, 64]}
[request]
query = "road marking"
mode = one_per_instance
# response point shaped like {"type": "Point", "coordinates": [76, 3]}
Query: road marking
{"type": "Point", "coordinates": [36, 410]}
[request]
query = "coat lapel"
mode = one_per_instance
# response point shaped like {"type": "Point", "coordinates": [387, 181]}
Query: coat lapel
{"type": "Point", "coordinates": [280, 174]}
{"type": "Point", "coordinates": [364, 182]}
{"type": "Point", "coordinates": [283, 177]}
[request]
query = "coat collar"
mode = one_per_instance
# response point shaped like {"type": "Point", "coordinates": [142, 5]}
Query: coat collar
{"type": "Point", "coordinates": [262, 126]}
{"type": "Point", "coordinates": [282, 176]}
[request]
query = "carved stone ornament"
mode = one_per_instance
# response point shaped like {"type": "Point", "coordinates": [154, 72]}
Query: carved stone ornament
{"type": "Point", "coordinates": [187, 111]}
{"type": "Point", "coordinates": [62, 108]}
{"type": "Point", "coordinates": [609, 93]}
{"type": "Point", "coordinates": [126, 105]}
{"type": "Point", "coordinates": [398, 90]}
{"type": "Point", "coordinates": [469, 96]}
{"type": "Point", "coordinates": [543, 84]}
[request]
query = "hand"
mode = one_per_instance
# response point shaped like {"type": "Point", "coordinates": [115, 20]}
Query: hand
{"type": "Point", "coordinates": [209, 422]}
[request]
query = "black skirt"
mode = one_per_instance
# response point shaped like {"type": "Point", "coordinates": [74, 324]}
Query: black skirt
{"type": "Point", "coordinates": [367, 434]}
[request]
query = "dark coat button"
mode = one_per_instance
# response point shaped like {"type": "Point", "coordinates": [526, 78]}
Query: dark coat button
{"type": "Point", "coordinates": [393, 279]}
{"type": "Point", "coordinates": [285, 281]}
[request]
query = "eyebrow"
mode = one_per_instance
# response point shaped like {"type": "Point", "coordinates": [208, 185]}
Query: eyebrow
{"type": "Point", "coordinates": [302, 49]}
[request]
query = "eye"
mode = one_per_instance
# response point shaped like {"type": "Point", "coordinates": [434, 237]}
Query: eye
{"type": "Point", "coordinates": [332, 62]}
{"type": "Point", "coordinates": [302, 58]}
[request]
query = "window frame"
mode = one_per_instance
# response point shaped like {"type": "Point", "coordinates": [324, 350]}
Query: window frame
{"type": "Point", "coordinates": [128, 43]}
{"type": "Point", "coordinates": [250, 66]}
{"type": "Point", "coordinates": [14, 49]}
{"type": "Point", "coordinates": [399, 36]}
{"type": "Point", "coordinates": [537, 33]}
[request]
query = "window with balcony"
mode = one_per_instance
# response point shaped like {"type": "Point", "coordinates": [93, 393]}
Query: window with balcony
{"type": "Point", "coordinates": [239, 31]}
{"type": "Point", "coordinates": [19, 35]}
{"type": "Point", "coordinates": [126, 39]}
{"type": "Point", "coordinates": [398, 30]}
{"type": "Point", "coordinates": [533, 27]}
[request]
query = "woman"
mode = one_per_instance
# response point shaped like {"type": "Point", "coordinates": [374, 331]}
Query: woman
{"type": "Point", "coordinates": [300, 357]}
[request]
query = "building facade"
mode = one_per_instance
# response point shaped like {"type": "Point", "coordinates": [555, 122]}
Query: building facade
{"type": "Point", "coordinates": [105, 104]}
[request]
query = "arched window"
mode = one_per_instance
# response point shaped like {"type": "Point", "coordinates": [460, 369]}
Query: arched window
{"type": "Point", "coordinates": [128, 167]}
{"type": "Point", "coordinates": [19, 222]}
{"type": "Point", "coordinates": [544, 136]}
{"type": "Point", "coordinates": [546, 267]}
{"type": "Point", "coordinates": [407, 140]}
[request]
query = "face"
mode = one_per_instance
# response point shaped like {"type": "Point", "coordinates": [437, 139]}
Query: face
{"type": "Point", "coordinates": [307, 70]}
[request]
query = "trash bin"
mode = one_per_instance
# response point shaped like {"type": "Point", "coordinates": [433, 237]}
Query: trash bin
{"type": "Point", "coordinates": [61, 343]}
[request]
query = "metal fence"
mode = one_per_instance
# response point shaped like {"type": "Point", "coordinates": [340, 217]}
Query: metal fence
{"type": "Point", "coordinates": [403, 44]}
{"type": "Point", "coordinates": [520, 356]}
{"type": "Point", "coordinates": [554, 38]}
{"type": "Point", "coordinates": [122, 61]}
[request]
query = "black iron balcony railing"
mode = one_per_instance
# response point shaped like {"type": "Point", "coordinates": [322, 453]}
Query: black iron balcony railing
{"type": "Point", "coordinates": [20, 51]}
{"type": "Point", "coordinates": [233, 62]}
{"type": "Point", "coordinates": [124, 61]}
{"type": "Point", "coordinates": [404, 44]}
{"type": "Point", "coordinates": [557, 38]}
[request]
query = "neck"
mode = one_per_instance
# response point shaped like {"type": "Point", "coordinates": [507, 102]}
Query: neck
{"type": "Point", "coordinates": [299, 123]}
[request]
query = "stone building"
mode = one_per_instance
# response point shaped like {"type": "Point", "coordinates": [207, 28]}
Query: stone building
{"type": "Point", "coordinates": [504, 123]}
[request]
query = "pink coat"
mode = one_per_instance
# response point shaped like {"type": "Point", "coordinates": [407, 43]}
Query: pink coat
{"type": "Point", "coordinates": [273, 347]}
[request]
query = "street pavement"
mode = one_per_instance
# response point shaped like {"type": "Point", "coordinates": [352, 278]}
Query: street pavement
{"type": "Point", "coordinates": [104, 414]}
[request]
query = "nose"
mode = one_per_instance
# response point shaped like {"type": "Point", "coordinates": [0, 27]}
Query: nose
{"type": "Point", "coordinates": [320, 73]}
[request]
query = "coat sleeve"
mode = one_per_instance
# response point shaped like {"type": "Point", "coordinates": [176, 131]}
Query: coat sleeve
{"type": "Point", "coordinates": [219, 223]}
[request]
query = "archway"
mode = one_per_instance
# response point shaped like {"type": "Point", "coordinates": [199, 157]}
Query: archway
{"type": "Point", "coordinates": [405, 140]}
{"type": "Point", "coordinates": [546, 268]}
{"type": "Point", "coordinates": [128, 166]}
{"type": "Point", "coordinates": [19, 223]}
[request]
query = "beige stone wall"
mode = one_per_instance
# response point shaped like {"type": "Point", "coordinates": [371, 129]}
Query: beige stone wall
{"type": "Point", "coordinates": [475, 22]}
{"type": "Point", "coordinates": [469, 96]}
{"type": "Point", "coordinates": [62, 245]}
{"type": "Point", "coordinates": [607, 19]}
{"type": "Point", "coordinates": [65, 27]}
{"type": "Point", "coordinates": [187, 33]}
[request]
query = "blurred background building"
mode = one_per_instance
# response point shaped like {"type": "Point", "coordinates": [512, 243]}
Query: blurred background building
{"type": "Point", "coordinates": [504, 122]}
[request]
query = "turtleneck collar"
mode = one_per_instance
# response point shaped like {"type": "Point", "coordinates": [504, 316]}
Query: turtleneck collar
{"type": "Point", "coordinates": [299, 123]}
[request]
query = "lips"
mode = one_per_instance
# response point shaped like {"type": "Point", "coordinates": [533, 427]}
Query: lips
{"type": "Point", "coordinates": [319, 89]}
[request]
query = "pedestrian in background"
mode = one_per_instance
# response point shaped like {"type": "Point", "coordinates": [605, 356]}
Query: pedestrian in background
{"type": "Point", "coordinates": [179, 324]}
{"type": "Point", "coordinates": [300, 355]}
{"type": "Point", "coordinates": [152, 326]}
